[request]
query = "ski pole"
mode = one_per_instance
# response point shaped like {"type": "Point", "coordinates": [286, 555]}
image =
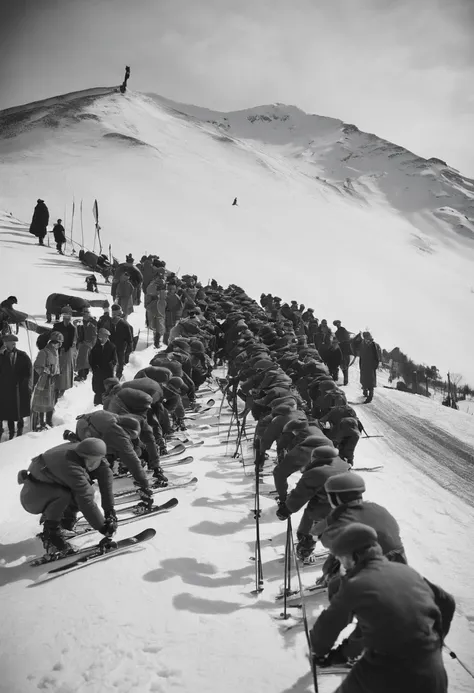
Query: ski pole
{"type": "Point", "coordinates": [311, 654]}
{"type": "Point", "coordinates": [453, 655]}
{"type": "Point", "coordinates": [287, 576]}
{"type": "Point", "coordinates": [257, 515]}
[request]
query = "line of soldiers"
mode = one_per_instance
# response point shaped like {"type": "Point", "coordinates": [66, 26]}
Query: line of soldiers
{"type": "Point", "coordinates": [402, 618]}
{"type": "Point", "coordinates": [132, 428]}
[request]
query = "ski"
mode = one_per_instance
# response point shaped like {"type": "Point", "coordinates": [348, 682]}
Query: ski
{"type": "Point", "coordinates": [198, 414]}
{"type": "Point", "coordinates": [178, 463]}
{"type": "Point", "coordinates": [96, 554]}
{"type": "Point", "coordinates": [130, 495]}
{"type": "Point", "coordinates": [138, 514]}
{"type": "Point", "coordinates": [368, 469]}
{"type": "Point", "coordinates": [293, 595]}
{"type": "Point", "coordinates": [176, 450]}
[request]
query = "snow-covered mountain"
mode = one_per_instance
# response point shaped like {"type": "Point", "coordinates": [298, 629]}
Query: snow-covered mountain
{"type": "Point", "coordinates": [355, 226]}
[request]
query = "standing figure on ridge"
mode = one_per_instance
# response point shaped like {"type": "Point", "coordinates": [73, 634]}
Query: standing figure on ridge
{"type": "Point", "coordinates": [40, 221]}
{"type": "Point", "coordinates": [59, 236]}
{"type": "Point", "coordinates": [123, 86]}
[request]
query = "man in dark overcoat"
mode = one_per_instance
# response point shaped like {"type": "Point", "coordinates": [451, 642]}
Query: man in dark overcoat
{"type": "Point", "coordinates": [15, 386]}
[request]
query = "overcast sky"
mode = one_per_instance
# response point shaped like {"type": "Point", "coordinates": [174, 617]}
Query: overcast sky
{"type": "Point", "coordinates": [403, 69]}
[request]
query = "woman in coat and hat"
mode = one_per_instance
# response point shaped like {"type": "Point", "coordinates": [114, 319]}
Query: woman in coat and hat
{"type": "Point", "coordinates": [67, 351]}
{"type": "Point", "coordinates": [15, 385]}
{"type": "Point", "coordinates": [44, 395]}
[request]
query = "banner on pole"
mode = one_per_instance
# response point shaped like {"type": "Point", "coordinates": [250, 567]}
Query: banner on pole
{"type": "Point", "coordinates": [95, 211]}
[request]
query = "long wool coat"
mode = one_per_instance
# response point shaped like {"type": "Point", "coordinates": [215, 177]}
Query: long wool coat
{"type": "Point", "coordinates": [47, 367]}
{"type": "Point", "coordinates": [369, 359]}
{"type": "Point", "coordinates": [67, 355]}
{"type": "Point", "coordinates": [15, 385]}
{"type": "Point", "coordinates": [86, 338]}
{"type": "Point", "coordinates": [124, 296]}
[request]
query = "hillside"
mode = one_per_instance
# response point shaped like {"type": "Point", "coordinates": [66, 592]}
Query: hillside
{"type": "Point", "coordinates": [178, 614]}
{"type": "Point", "coordinates": [343, 220]}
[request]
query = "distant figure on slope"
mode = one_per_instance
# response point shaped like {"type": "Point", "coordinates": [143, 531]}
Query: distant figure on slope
{"type": "Point", "coordinates": [91, 283]}
{"type": "Point", "coordinates": [123, 86]}
{"type": "Point", "coordinates": [40, 221]}
{"type": "Point", "coordinates": [59, 236]}
{"type": "Point", "coordinates": [234, 203]}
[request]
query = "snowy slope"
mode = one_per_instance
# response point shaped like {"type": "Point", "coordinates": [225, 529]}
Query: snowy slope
{"type": "Point", "coordinates": [165, 179]}
{"type": "Point", "coordinates": [178, 614]}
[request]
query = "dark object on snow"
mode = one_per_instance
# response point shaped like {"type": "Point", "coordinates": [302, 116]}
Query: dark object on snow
{"type": "Point", "coordinates": [91, 283]}
{"type": "Point", "coordinates": [123, 86]}
{"type": "Point", "coordinates": [234, 203]}
{"type": "Point", "coordinates": [55, 302]}
{"type": "Point", "coordinates": [97, 263]}
{"type": "Point", "coordinates": [40, 221]}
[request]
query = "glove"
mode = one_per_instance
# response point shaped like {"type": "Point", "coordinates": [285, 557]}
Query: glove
{"type": "Point", "coordinates": [106, 544]}
{"type": "Point", "coordinates": [282, 513]}
{"type": "Point", "coordinates": [110, 524]}
{"type": "Point", "coordinates": [146, 497]}
{"type": "Point", "coordinates": [322, 660]}
{"type": "Point", "coordinates": [323, 580]}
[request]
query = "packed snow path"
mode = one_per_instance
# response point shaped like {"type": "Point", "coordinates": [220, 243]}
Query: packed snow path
{"type": "Point", "coordinates": [178, 614]}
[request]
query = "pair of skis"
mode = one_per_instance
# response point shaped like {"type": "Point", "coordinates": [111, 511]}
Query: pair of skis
{"type": "Point", "coordinates": [93, 554]}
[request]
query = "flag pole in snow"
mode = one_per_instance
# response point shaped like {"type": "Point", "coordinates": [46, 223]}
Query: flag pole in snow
{"type": "Point", "coordinates": [72, 224]}
{"type": "Point", "coordinates": [82, 229]}
{"type": "Point", "coordinates": [95, 211]}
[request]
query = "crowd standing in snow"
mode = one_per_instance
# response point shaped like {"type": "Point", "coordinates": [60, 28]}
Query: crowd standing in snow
{"type": "Point", "coordinates": [283, 369]}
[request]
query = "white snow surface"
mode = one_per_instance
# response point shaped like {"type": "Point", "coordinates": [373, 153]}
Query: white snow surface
{"type": "Point", "coordinates": [352, 225]}
{"type": "Point", "coordinates": [178, 613]}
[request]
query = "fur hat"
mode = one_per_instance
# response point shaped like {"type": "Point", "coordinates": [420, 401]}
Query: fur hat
{"type": "Point", "coordinates": [324, 452]}
{"type": "Point", "coordinates": [315, 441]}
{"type": "Point", "coordinates": [354, 537]}
{"type": "Point", "coordinates": [349, 482]}
{"type": "Point", "coordinates": [176, 386]}
{"type": "Point", "coordinates": [91, 447]}
{"type": "Point", "coordinates": [130, 424]}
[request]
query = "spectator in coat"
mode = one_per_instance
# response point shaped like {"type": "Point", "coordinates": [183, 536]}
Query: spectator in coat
{"type": "Point", "coordinates": [102, 360]}
{"type": "Point", "coordinates": [310, 491]}
{"type": "Point", "coordinates": [59, 236]}
{"type": "Point", "coordinates": [58, 484]}
{"type": "Point", "coordinates": [174, 311]}
{"type": "Point", "coordinates": [44, 394]}
{"type": "Point", "coordinates": [124, 294]}
{"type": "Point", "coordinates": [369, 360]}
{"type": "Point", "coordinates": [15, 386]}
{"type": "Point", "coordinates": [344, 339]}
{"type": "Point", "coordinates": [332, 356]}
{"type": "Point", "coordinates": [403, 620]}
{"type": "Point", "coordinates": [155, 304]}
{"type": "Point", "coordinates": [121, 335]}
{"type": "Point", "coordinates": [67, 351]}
{"type": "Point", "coordinates": [86, 339]}
{"type": "Point", "coordinates": [40, 221]}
